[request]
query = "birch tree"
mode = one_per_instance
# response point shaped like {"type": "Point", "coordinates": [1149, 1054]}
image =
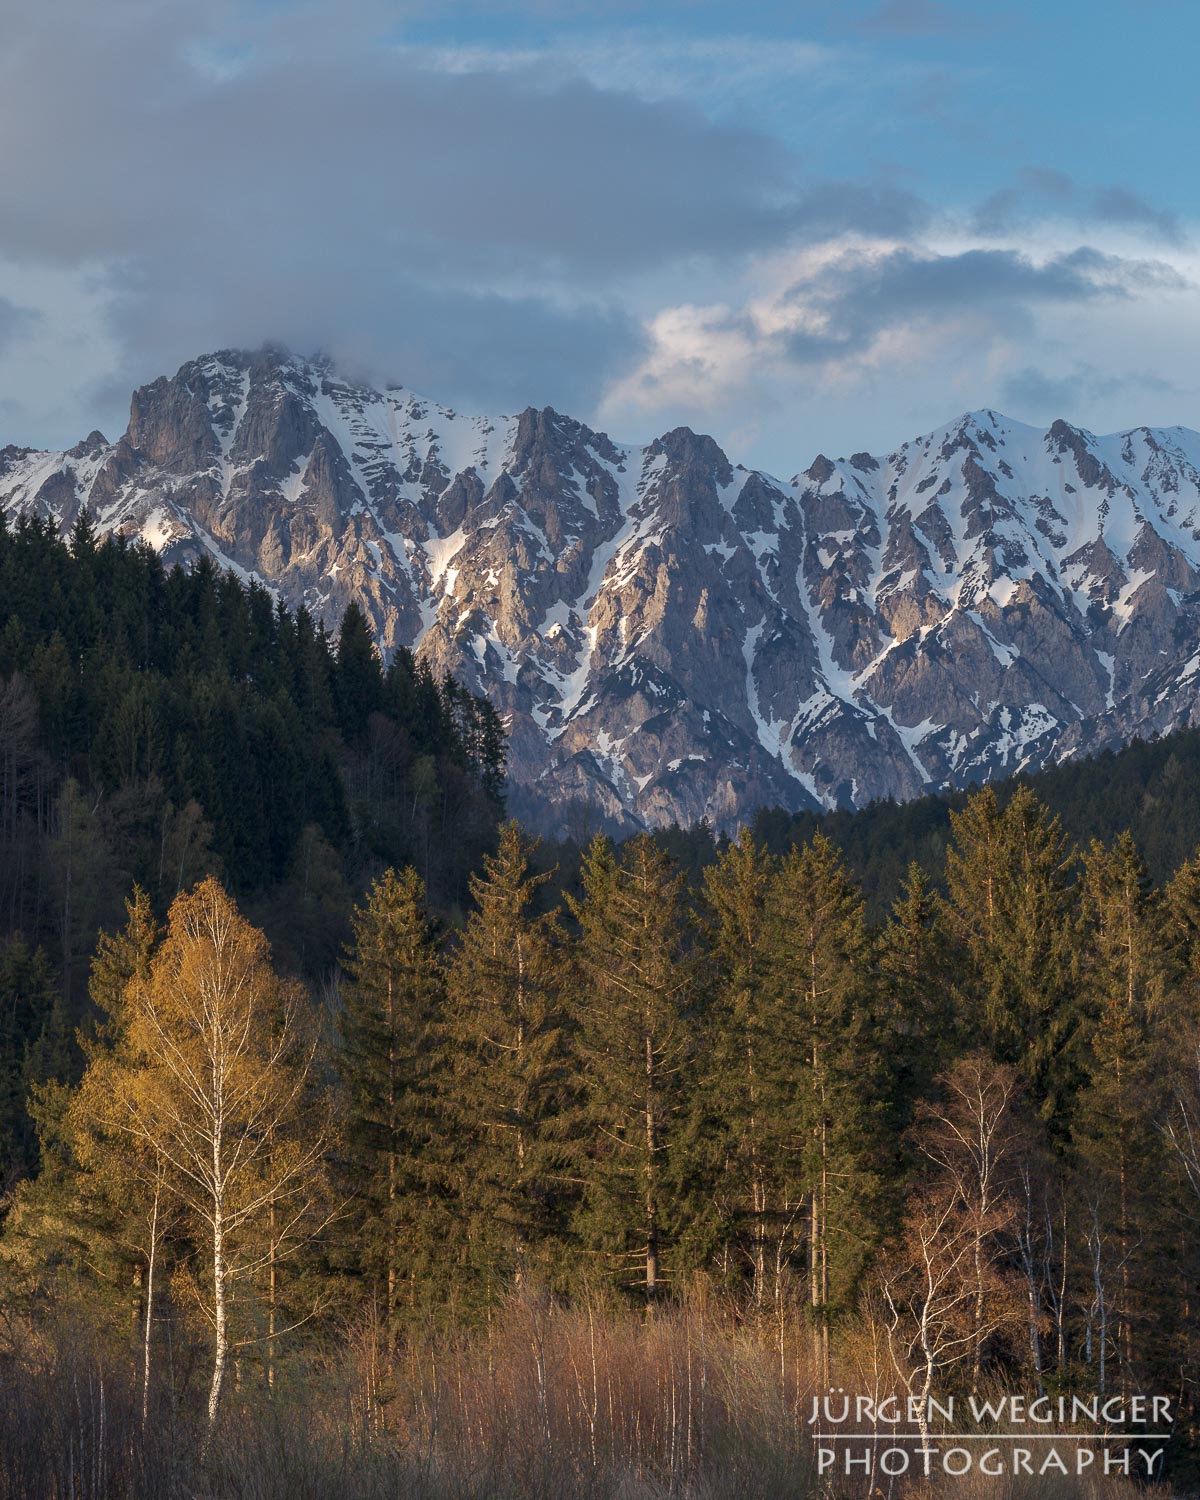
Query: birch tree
{"type": "Point", "coordinates": [220, 1056]}
{"type": "Point", "coordinates": [944, 1284]}
{"type": "Point", "coordinates": [971, 1143]}
{"type": "Point", "coordinates": [930, 1286]}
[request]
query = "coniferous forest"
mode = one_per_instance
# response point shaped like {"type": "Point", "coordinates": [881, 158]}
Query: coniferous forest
{"type": "Point", "coordinates": [356, 1144]}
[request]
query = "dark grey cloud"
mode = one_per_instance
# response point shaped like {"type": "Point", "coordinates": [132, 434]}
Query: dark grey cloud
{"type": "Point", "coordinates": [486, 170]}
{"type": "Point", "coordinates": [299, 176]}
{"type": "Point", "coordinates": [475, 349]}
{"type": "Point", "coordinates": [1042, 190]}
{"type": "Point", "coordinates": [857, 297]}
{"type": "Point", "coordinates": [492, 233]}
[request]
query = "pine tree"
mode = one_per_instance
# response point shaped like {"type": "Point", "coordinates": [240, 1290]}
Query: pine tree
{"type": "Point", "coordinates": [389, 1064]}
{"type": "Point", "coordinates": [635, 1042]}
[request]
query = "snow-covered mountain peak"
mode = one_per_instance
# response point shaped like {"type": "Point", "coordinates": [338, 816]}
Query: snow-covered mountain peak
{"type": "Point", "coordinates": [672, 634]}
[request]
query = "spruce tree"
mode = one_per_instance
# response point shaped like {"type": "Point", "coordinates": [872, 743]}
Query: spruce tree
{"type": "Point", "coordinates": [1181, 931]}
{"type": "Point", "coordinates": [388, 1064]}
{"type": "Point", "coordinates": [826, 1072]}
{"type": "Point", "coordinates": [1124, 1175]}
{"type": "Point", "coordinates": [1012, 914]}
{"type": "Point", "coordinates": [122, 959]}
{"type": "Point", "coordinates": [121, 1182]}
{"type": "Point", "coordinates": [915, 971]}
{"type": "Point", "coordinates": [740, 1032]}
{"type": "Point", "coordinates": [635, 1040]}
{"type": "Point", "coordinates": [84, 1208]}
{"type": "Point", "coordinates": [30, 1009]}
{"type": "Point", "coordinates": [359, 675]}
{"type": "Point", "coordinates": [510, 1085]}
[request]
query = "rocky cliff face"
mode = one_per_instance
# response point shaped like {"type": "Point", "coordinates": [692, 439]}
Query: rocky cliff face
{"type": "Point", "coordinates": [672, 635]}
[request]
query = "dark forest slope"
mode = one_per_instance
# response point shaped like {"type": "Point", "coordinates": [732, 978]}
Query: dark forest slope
{"type": "Point", "coordinates": [157, 725]}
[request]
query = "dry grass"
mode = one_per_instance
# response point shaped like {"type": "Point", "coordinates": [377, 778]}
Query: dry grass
{"type": "Point", "coordinates": [548, 1403]}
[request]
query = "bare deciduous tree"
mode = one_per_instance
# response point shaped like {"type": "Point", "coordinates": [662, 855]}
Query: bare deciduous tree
{"type": "Point", "coordinates": [932, 1287]}
{"type": "Point", "coordinates": [1182, 1127]}
{"type": "Point", "coordinates": [969, 1139]}
{"type": "Point", "coordinates": [943, 1286]}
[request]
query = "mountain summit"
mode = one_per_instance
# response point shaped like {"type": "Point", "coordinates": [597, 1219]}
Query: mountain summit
{"type": "Point", "coordinates": [673, 636]}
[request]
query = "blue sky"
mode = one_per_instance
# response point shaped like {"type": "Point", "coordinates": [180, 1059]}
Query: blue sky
{"type": "Point", "coordinates": [977, 91]}
{"type": "Point", "coordinates": [800, 227]}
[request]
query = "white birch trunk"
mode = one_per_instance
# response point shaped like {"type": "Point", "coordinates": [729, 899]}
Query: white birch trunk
{"type": "Point", "coordinates": [150, 1303]}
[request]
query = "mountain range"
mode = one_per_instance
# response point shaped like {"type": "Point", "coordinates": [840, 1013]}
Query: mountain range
{"type": "Point", "coordinates": [669, 634]}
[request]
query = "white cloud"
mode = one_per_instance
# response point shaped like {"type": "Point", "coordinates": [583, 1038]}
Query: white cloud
{"type": "Point", "coordinates": [864, 343]}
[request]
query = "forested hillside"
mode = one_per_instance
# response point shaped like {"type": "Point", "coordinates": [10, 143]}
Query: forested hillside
{"type": "Point", "coordinates": [158, 726]}
{"type": "Point", "coordinates": [1148, 788]}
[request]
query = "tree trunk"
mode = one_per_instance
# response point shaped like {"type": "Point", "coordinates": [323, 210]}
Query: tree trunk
{"type": "Point", "coordinates": [222, 1333]}
{"type": "Point", "coordinates": [1125, 1325]}
{"type": "Point", "coordinates": [519, 1111]}
{"type": "Point", "coordinates": [391, 1191]}
{"type": "Point", "coordinates": [149, 1304]}
{"type": "Point", "coordinates": [651, 1164]}
{"type": "Point", "coordinates": [818, 1225]}
{"type": "Point", "coordinates": [757, 1187]}
{"type": "Point", "coordinates": [814, 1262]}
{"type": "Point", "coordinates": [271, 1305]}
{"type": "Point", "coordinates": [824, 1242]}
{"type": "Point", "coordinates": [1033, 1294]}
{"type": "Point", "coordinates": [977, 1340]}
{"type": "Point", "coordinates": [1061, 1296]}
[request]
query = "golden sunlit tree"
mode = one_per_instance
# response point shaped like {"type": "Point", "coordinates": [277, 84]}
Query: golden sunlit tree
{"type": "Point", "coordinates": [217, 1086]}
